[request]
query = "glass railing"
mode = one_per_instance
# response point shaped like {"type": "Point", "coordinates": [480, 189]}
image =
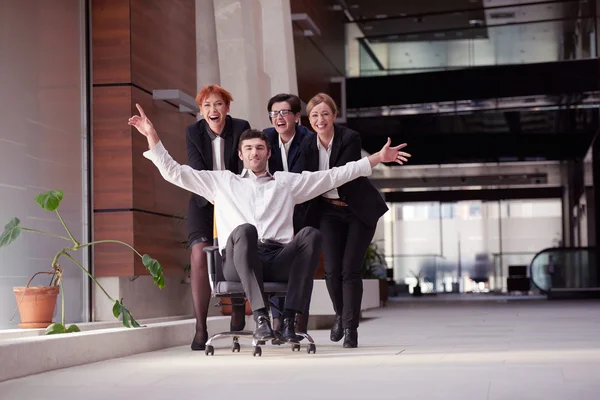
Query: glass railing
{"type": "Point", "coordinates": [565, 269]}
{"type": "Point", "coordinates": [526, 42]}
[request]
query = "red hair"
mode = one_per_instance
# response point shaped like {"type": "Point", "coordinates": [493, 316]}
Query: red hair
{"type": "Point", "coordinates": [206, 91]}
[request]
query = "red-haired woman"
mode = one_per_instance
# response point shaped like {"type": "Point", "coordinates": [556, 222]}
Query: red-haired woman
{"type": "Point", "coordinates": [211, 145]}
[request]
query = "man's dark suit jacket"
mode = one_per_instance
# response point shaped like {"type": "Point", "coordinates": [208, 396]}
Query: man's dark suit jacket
{"type": "Point", "coordinates": [199, 147]}
{"type": "Point", "coordinates": [360, 194]}
{"type": "Point", "coordinates": [275, 162]}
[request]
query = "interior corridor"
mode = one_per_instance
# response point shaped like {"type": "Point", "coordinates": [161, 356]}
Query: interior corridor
{"type": "Point", "coordinates": [497, 348]}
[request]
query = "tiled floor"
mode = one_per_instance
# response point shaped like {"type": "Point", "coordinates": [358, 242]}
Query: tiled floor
{"type": "Point", "coordinates": [499, 350]}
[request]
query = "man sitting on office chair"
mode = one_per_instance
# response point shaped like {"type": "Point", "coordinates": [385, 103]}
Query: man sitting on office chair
{"type": "Point", "coordinates": [257, 244]}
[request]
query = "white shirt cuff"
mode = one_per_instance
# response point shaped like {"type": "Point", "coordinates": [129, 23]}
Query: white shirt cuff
{"type": "Point", "coordinates": [155, 153]}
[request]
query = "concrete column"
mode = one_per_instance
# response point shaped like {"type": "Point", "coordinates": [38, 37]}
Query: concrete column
{"type": "Point", "coordinates": [278, 45]}
{"type": "Point", "coordinates": [256, 54]}
{"type": "Point", "coordinates": [207, 55]}
{"type": "Point", "coordinates": [239, 38]}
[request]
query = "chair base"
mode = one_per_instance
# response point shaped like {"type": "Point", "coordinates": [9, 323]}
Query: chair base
{"type": "Point", "coordinates": [257, 350]}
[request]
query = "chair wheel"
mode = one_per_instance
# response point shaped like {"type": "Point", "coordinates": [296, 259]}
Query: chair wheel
{"type": "Point", "coordinates": [296, 347]}
{"type": "Point", "coordinates": [235, 347]}
{"type": "Point", "coordinates": [311, 348]}
{"type": "Point", "coordinates": [257, 351]}
{"type": "Point", "coordinates": [209, 351]}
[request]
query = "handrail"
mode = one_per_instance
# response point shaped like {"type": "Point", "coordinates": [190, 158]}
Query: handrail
{"type": "Point", "coordinates": [564, 274]}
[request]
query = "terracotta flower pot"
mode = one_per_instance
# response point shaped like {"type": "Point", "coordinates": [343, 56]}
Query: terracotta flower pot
{"type": "Point", "coordinates": [36, 306]}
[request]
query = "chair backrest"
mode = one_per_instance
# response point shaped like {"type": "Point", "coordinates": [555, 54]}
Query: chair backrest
{"type": "Point", "coordinates": [214, 260]}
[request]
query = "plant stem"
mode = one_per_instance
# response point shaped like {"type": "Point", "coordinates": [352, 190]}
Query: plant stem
{"type": "Point", "coordinates": [88, 274]}
{"type": "Point", "coordinates": [108, 241]}
{"type": "Point", "coordinates": [62, 300]}
{"type": "Point", "coordinates": [46, 233]}
{"type": "Point", "coordinates": [54, 262]}
{"type": "Point", "coordinates": [75, 242]}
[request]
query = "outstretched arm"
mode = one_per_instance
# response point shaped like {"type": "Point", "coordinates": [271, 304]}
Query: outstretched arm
{"type": "Point", "coordinates": [309, 185]}
{"type": "Point", "coordinates": [203, 183]}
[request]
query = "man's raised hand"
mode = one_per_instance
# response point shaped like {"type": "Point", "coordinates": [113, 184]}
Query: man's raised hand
{"type": "Point", "coordinates": [144, 126]}
{"type": "Point", "coordinates": [393, 154]}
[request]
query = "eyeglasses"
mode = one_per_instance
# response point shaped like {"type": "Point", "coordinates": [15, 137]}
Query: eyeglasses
{"type": "Point", "coordinates": [283, 113]}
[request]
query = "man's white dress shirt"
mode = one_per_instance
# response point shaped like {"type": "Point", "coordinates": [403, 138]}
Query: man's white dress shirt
{"type": "Point", "coordinates": [267, 201]}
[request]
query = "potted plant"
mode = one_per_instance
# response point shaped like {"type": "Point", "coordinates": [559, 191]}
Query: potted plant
{"type": "Point", "coordinates": [36, 304]}
{"type": "Point", "coordinates": [417, 289]}
{"type": "Point", "coordinates": [375, 267]}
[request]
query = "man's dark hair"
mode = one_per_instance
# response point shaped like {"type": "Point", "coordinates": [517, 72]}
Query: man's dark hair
{"type": "Point", "coordinates": [253, 134]}
{"type": "Point", "coordinates": [292, 99]}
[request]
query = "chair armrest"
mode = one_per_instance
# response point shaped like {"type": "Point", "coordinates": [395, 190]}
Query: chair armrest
{"type": "Point", "coordinates": [210, 249]}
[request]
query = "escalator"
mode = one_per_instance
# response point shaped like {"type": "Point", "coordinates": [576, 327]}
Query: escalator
{"type": "Point", "coordinates": [566, 272]}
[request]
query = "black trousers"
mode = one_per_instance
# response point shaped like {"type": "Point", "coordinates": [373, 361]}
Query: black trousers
{"type": "Point", "coordinates": [250, 262]}
{"type": "Point", "coordinates": [345, 241]}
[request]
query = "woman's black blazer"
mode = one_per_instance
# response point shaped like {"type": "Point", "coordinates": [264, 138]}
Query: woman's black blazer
{"type": "Point", "coordinates": [362, 197]}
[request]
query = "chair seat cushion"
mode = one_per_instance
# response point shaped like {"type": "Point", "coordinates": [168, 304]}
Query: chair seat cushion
{"type": "Point", "coordinates": [227, 287]}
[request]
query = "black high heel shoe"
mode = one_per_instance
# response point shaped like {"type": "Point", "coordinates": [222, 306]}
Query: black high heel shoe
{"type": "Point", "coordinates": [199, 343]}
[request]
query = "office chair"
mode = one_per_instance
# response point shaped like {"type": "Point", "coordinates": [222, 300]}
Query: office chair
{"type": "Point", "coordinates": [222, 288]}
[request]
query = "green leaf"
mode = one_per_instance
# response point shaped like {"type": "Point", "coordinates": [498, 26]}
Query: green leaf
{"type": "Point", "coordinates": [12, 230]}
{"type": "Point", "coordinates": [117, 309]}
{"type": "Point", "coordinates": [125, 317]}
{"type": "Point", "coordinates": [50, 201]}
{"type": "Point", "coordinates": [55, 328]}
{"type": "Point", "coordinates": [134, 323]}
{"type": "Point", "coordinates": [73, 328]}
{"type": "Point", "coordinates": [128, 320]}
{"type": "Point", "coordinates": [155, 269]}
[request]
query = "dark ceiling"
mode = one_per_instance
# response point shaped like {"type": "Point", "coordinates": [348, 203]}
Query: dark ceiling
{"type": "Point", "coordinates": [418, 20]}
{"type": "Point", "coordinates": [563, 131]}
{"type": "Point", "coordinates": [484, 136]}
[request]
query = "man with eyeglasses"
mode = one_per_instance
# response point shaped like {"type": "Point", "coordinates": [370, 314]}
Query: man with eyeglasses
{"type": "Point", "coordinates": [285, 138]}
{"type": "Point", "coordinates": [286, 134]}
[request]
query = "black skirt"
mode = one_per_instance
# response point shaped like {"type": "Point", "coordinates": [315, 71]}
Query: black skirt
{"type": "Point", "coordinates": [200, 222]}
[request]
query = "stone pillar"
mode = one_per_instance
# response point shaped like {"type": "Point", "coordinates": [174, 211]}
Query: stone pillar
{"type": "Point", "coordinates": [278, 45]}
{"type": "Point", "coordinates": [256, 54]}
{"type": "Point", "coordinates": [138, 47]}
{"type": "Point", "coordinates": [207, 56]}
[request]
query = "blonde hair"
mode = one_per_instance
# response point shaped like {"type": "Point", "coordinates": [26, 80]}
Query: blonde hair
{"type": "Point", "coordinates": [321, 98]}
